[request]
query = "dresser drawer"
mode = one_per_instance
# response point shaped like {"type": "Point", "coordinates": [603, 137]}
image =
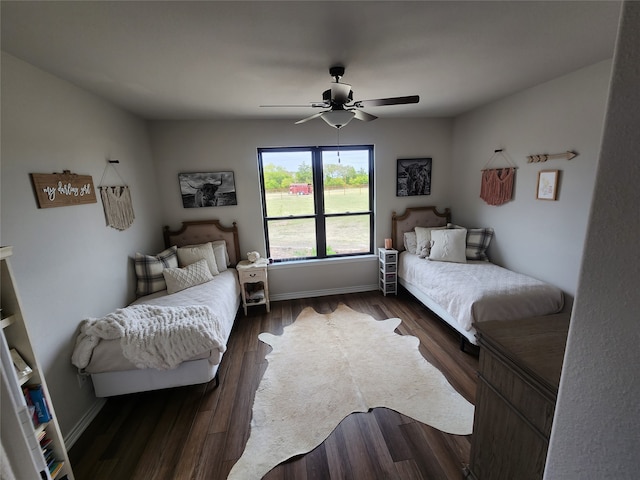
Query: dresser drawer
{"type": "Point", "coordinates": [504, 446]}
{"type": "Point", "coordinates": [251, 276]}
{"type": "Point", "coordinates": [528, 399]}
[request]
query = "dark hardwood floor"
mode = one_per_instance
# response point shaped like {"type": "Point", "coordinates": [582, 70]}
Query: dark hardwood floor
{"type": "Point", "coordinates": [198, 432]}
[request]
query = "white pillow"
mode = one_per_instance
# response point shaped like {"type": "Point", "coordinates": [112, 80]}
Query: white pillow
{"type": "Point", "coordinates": [423, 240]}
{"type": "Point", "coordinates": [192, 253]}
{"type": "Point", "coordinates": [226, 253]}
{"type": "Point", "coordinates": [222, 257]}
{"type": "Point", "coordinates": [180, 278]}
{"type": "Point", "coordinates": [449, 245]}
{"type": "Point", "coordinates": [410, 242]}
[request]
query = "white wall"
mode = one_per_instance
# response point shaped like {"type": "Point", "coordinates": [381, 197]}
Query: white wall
{"type": "Point", "coordinates": [596, 431]}
{"type": "Point", "coordinates": [68, 264]}
{"type": "Point", "coordinates": [232, 145]}
{"type": "Point", "coordinates": [540, 238]}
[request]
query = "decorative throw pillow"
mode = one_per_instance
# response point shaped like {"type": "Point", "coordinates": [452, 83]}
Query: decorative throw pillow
{"type": "Point", "coordinates": [149, 270]}
{"type": "Point", "coordinates": [180, 278]}
{"type": "Point", "coordinates": [478, 240]}
{"type": "Point", "coordinates": [410, 242]}
{"type": "Point", "coordinates": [192, 253]}
{"type": "Point", "coordinates": [423, 240]}
{"type": "Point", "coordinates": [226, 253]}
{"type": "Point", "coordinates": [448, 245]}
{"type": "Point", "coordinates": [222, 257]}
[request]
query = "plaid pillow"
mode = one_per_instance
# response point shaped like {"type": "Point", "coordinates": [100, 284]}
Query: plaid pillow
{"type": "Point", "coordinates": [149, 270]}
{"type": "Point", "coordinates": [478, 240]}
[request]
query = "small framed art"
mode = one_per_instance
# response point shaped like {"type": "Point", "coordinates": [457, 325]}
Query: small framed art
{"type": "Point", "coordinates": [413, 177]}
{"type": "Point", "coordinates": [547, 185]}
{"type": "Point", "coordinates": [213, 189]}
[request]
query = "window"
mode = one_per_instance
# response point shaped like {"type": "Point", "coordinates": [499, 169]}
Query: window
{"type": "Point", "coordinates": [317, 202]}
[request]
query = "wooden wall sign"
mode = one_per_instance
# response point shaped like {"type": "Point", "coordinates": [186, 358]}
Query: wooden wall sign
{"type": "Point", "coordinates": [63, 189]}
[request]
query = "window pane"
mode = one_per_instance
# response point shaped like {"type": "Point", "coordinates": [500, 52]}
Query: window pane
{"type": "Point", "coordinates": [292, 238]}
{"type": "Point", "coordinates": [348, 234]}
{"type": "Point", "coordinates": [288, 183]}
{"type": "Point", "coordinates": [346, 184]}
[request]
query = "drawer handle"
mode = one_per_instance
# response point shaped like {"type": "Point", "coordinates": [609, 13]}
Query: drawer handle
{"type": "Point", "coordinates": [252, 274]}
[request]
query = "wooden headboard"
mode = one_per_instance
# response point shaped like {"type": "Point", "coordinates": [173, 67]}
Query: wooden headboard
{"type": "Point", "coordinates": [203, 231]}
{"type": "Point", "coordinates": [416, 217]}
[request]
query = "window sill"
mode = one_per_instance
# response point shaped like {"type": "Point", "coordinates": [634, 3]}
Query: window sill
{"type": "Point", "coordinates": [322, 261]}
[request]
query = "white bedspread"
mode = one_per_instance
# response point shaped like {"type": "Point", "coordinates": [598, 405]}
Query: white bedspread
{"type": "Point", "coordinates": [152, 336]}
{"type": "Point", "coordinates": [221, 295]}
{"type": "Point", "coordinates": [477, 291]}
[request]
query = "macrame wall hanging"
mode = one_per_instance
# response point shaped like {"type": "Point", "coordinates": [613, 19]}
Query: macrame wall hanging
{"type": "Point", "coordinates": [497, 183]}
{"type": "Point", "coordinates": [116, 200]}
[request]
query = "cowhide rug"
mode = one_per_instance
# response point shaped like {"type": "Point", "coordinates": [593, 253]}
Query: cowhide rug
{"type": "Point", "coordinates": [326, 366]}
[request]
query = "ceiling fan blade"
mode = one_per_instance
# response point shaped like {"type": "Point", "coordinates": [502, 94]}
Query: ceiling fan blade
{"type": "Point", "coordinates": [364, 116]}
{"type": "Point", "coordinates": [313, 104]}
{"type": "Point", "coordinates": [379, 102]}
{"type": "Point", "coordinates": [315, 115]}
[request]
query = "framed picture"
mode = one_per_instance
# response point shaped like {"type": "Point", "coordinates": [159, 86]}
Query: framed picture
{"type": "Point", "coordinates": [547, 185]}
{"type": "Point", "coordinates": [214, 189]}
{"type": "Point", "coordinates": [413, 177]}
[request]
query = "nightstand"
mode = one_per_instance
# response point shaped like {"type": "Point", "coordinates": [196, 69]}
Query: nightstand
{"type": "Point", "coordinates": [254, 284]}
{"type": "Point", "coordinates": [388, 270]}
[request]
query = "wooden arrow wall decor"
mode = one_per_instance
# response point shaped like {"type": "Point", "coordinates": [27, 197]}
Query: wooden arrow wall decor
{"type": "Point", "coordinates": [544, 157]}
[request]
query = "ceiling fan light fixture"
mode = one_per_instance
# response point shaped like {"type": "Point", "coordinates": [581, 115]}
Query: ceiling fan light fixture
{"type": "Point", "coordinates": [338, 118]}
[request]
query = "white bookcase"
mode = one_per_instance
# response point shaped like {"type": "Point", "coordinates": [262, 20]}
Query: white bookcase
{"type": "Point", "coordinates": [32, 449]}
{"type": "Point", "coordinates": [388, 271]}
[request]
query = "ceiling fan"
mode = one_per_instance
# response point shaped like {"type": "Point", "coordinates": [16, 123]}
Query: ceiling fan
{"type": "Point", "coordinates": [340, 108]}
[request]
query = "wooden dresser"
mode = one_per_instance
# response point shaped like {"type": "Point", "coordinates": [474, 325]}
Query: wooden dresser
{"type": "Point", "coordinates": [518, 377]}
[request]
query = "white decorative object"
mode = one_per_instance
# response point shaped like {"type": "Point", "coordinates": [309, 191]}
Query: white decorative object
{"type": "Point", "coordinates": [253, 256]}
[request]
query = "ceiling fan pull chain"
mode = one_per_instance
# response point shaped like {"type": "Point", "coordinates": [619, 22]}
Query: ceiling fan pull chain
{"type": "Point", "coordinates": [338, 130]}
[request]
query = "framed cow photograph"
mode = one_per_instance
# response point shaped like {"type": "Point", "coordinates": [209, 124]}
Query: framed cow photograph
{"type": "Point", "coordinates": [413, 177]}
{"type": "Point", "coordinates": [213, 189]}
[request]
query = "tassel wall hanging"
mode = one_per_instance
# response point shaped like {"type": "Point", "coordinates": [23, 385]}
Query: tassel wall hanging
{"type": "Point", "coordinates": [497, 183]}
{"type": "Point", "coordinates": [116, 201]}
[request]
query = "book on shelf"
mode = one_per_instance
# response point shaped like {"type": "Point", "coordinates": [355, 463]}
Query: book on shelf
{"type": "Point", "coordinates": [45, 442]}
{"type": "Point", "coordinates": [22, 369]}
{"type": "Point", "coordinates": [41, 433]}
{"type": "Point", "coordinates": [34, 394]}
{"type": "Point", "coordinates": [55, 468]}
{"type": "Point", "coordinates": [48, 456]}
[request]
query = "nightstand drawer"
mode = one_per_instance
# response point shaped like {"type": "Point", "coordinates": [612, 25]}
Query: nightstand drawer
{"type": "Point", "coordinates": [257, 275]}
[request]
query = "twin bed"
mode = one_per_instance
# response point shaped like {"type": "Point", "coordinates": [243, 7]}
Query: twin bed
{"type": "Point", "coordinates": [463, 293]}
{"type": "Point", "coordinates": [114, 374]}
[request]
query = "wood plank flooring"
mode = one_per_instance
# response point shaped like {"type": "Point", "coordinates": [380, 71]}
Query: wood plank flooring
{"type": "Point", "coordinates": [199, 432]}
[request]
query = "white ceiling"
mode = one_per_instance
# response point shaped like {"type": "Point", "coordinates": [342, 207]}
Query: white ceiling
{"type": "Point", "coordinates": [222, 60]}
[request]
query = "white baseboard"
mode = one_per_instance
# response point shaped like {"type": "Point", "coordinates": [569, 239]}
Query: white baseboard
{"type": "Point", "coordinates": [322, 293]}
{"type": "Point", "coordinates": [84, 422]}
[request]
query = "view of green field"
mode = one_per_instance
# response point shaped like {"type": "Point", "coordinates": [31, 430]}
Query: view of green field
{"type": "Point", "coordinates": [292, 238]}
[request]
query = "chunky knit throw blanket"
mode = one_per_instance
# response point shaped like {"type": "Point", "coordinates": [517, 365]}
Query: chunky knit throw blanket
{"type": "Point", "coordinates": [152, 336]}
